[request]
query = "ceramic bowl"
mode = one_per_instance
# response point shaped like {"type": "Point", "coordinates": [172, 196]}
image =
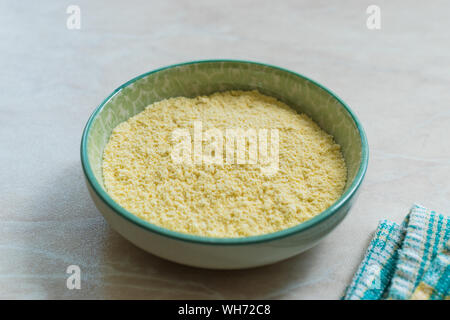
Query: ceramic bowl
{"type": "Point", "coordinates": [202, 78]}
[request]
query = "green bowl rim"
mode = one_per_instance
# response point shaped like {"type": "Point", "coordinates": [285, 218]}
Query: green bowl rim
{"type": "Point", "coordinates": [346, 196]}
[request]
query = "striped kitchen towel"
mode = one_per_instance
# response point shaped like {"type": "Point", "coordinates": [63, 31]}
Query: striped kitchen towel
{"type": "Point", "coordinates": [408, 261]}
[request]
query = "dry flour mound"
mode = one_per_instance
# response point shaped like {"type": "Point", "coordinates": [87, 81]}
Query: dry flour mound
{"type": "Point", "coordinates": [222, 199]}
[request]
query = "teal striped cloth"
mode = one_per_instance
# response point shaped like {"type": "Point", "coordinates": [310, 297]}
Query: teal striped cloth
{"type": "Point", "coordinates": [408, 261]}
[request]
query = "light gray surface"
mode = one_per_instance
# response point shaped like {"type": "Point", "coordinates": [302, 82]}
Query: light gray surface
{"type": "Point", "coordinates": [396, 80]}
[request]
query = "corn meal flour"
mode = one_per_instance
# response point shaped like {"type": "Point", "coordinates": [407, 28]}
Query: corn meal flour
{"type": "Point", "coordinates": [222, 200]}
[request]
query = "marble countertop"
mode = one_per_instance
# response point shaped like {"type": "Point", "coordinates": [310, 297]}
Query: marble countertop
{"type": "Point", "coordinates": [396, 79]}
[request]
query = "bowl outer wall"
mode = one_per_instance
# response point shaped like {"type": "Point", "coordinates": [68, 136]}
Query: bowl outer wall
{"type": "Point", "coordinates": [220, 257]}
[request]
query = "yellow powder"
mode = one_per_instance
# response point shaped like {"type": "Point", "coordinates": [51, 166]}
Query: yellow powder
{"type": "Point", "coordinates": [222, 200]}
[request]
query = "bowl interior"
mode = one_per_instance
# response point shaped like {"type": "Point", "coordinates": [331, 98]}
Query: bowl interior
{"type": "Point", "coordinates": [202, 78]}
